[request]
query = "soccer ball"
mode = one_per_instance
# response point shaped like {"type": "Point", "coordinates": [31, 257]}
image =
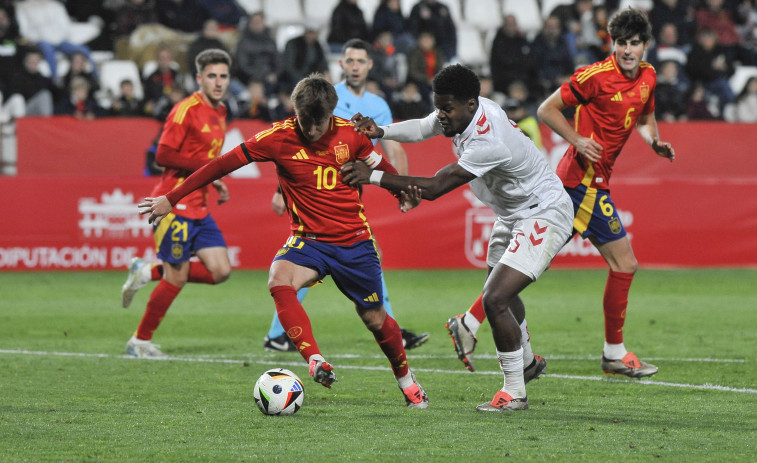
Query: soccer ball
{"type": "Point", "coordinates": [279, 392]}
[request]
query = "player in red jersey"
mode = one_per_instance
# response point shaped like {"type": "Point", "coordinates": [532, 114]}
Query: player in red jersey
{"type": "Point", "coordinates": [192, 136]}
{"type": "Point", "coordinates": [329, 233]}
{"type": "Point", "coordinates": [611, 98]}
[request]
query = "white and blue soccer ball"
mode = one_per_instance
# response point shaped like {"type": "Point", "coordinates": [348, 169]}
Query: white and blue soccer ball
{"type": "Point", "coordinates": [279, 392]}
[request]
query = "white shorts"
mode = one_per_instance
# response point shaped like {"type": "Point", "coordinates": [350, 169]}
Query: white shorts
{"type": "Point", "coordinates": [529, 245]}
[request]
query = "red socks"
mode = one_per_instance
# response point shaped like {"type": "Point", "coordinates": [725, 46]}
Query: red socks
{"type": "Point", "coordinates": [477, 309]}
{"type": "Point", "coordinates": [294, 320]}
{"type": "Point", "coordinates": [160, 300]}
{"type": "Point", "coordinates": [615, 302]}
{"type": "Point", "coordinates": [389, 338]}
{"type": "Point", "coordinates": [198, 273]}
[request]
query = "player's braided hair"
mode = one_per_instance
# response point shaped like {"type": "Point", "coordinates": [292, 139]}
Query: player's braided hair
{"type": "Point", "coordinates": [628, 22]}
{"type": "Point", "coordinates": [457, 80]}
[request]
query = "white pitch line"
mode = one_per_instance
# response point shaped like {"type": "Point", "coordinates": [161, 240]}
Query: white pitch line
{"type": "Point", "coordinates": [648, 382]}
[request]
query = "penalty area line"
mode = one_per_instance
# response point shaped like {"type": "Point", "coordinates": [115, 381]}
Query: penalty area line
{"type": "Point", "coordinates": [279, 363]}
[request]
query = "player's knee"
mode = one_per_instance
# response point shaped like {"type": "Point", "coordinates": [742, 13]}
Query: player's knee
{"type": "Point", "coordinates": [373, 319]}
{"type": "Point", "coordinates": [221, 275]}
{"type": "Point", "coordinates": [495, 303]}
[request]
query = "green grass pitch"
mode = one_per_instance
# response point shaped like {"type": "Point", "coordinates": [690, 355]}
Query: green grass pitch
{"type": "Point", "coordinates": [68, 393]}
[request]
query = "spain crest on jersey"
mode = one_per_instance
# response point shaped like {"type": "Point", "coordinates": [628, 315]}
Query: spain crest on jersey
{"type": "Point", "coordinates": [342, 153]}
{"type": "Point", "coordinates": [644, 88]}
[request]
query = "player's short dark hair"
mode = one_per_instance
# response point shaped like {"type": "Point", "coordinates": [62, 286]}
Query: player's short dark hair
{"type": "Point", "coordinates": [628, 22]}
{"type": "Point", "coordinates": [359, 44]}
{"type": "Point", "coordinates": [314, 98]}
{"type": "Point", "coordinates": [211, 56]}
{"type": "Point", "coordinates": [457, 80]}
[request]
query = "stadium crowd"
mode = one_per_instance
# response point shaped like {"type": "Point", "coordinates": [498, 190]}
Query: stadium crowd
{"type": "Point", "coordinates": [135, 57]}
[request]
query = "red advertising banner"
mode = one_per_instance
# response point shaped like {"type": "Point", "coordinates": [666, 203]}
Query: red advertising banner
{"type": "Point", "coordinates": [73, 204]}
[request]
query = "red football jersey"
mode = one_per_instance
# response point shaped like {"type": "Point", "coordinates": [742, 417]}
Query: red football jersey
{"type": "Point", "coordinates": [320, 205]}
{"type": "Point", "coordinates": [608, 104]}
{"type": "Point", "coordinates": [196, 130]}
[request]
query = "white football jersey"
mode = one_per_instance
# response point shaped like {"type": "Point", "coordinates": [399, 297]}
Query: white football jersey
{"type": "Point", "coordinates": [513, 177]}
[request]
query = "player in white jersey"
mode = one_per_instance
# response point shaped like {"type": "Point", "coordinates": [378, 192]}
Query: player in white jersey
{"type": "Point", "coordinates": [507, 173]}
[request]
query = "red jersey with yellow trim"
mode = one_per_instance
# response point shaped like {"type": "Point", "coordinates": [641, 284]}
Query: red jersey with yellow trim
{"type": "Point", "coordinates": [608, 104]}
{"type": "Point", "coordinates": [196, 130]}
{"type": "Point", "coordinates": [320, 205]}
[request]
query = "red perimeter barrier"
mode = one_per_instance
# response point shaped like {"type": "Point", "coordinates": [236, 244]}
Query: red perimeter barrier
{"type": "Point", "coordinates": [73, 204]}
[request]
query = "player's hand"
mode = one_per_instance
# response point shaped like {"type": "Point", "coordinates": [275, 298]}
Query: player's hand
{"type": "Point", "coordinates": [223, 191]}
{"type": "Point", "coordinates": [277, 203]}
{"type": "Point", "coordinates": [367, 126]}
{"type": "Point", "coordinates": [663, 149]}
{"type": "Point", "coordinates": [157, 208]}
{"type": "Point", "coordinates": [356, 173]}
{"type": "Point", "coordinates": [589, 149]}
{"type": "Point", "coordinates": [410, 198]}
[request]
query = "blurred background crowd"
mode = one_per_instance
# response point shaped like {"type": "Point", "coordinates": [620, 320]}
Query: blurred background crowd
{"type": "Point", "coordinates": [135, 57]}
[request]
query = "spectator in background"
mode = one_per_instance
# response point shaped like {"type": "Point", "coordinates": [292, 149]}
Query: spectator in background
{"type": "Point", "coordinates": [604, 41]}
{"type": "Point", "coordinates": [167, 101]}
{"type": "Point", "coordinates": [709, 64]}
{"type": "Point", "coordinates": [389, 18]}
{"type": "Point", "coordinates": [745, 108]}
{"type": "Point", "coordinates": [424, 61]}
{"type": "Point", "coordinates": [487, 91]}
{"type": "Point", "coordinates": [130, 14]}
{"type": "Point", "coordinates": [79, 103]}
{"type": "Point", "coordinates": [257, 106]}
{"type": "Point", "coordinates": [579, 30]}
{"type": "Point", "coordinates": [677, 12]}
{"type": "Point", "coordinates": [49, 29]}
{"type": "Point", "coordinates": [670, 93]}
{"type": "Point", "coordinates": [228, 13]}
{"type": "Point", "coordinates": [9, 49]}
{"type": "Point", "coordinates": [697, 106]}
{"type": "Point", "coordinates": [714, 16]}
{"type": "Point", "coordinates": [516, 111]}
{"type": "Point", "coordinates": [29, 84]}
{"type": "Point", "coordinates": [207, 39]}
{"type": "Point", "coordinates": [127, 104]}
{"type": "Point", "coordinates": [510, 56]}
{"type": "Point", "coordinates": [409, 103]}
{"type": "Point", "coordinates": [163, 79]}
{"type": "Point", "coordinates": [518, 90]}
{"type": "Point", "coordinates": [257, 57]}
{"type": "Point", "coordinates": [181, 15]}
{"type": "Point", "coordinates": [303, 56]}
{"type": "Point", "coordinates": [667, 49]}
{"type": "Point", "coordinates": [385, 71]}
{"type": "Point", "coordinates": [551, 52]}
{"type": "Point", "coordinates": [347, 22]}
{"type": "Point", "coordinates": [432, 16]}
{"type": "Point", "coordinates": [78, 68]}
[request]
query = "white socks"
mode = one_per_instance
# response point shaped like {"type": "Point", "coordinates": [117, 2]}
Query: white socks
{"type": "Point", "coordinates": [405, 381]}
{"type": "Point", "coordinates": [511, 364]}
{"type": "Point", "coordinates": [471, 322]}
{"type": "Point", "coordinates": [614, 351]}
{"type": "Point", "coordinates": [525, 343]}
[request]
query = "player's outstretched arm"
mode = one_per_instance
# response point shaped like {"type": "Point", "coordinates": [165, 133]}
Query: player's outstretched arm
{"type": "Point", "coordinates": [447, 179]}
{"type": "Point", "coordinates": [367, 126]}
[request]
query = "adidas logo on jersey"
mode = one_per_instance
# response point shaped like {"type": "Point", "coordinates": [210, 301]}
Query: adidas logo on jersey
{"type": "Point", "coordinates": [301, 154]}
{"type": "Point", "coordinates": [617, 97]}
{"type": "Point", "coordinates": [372, 298]}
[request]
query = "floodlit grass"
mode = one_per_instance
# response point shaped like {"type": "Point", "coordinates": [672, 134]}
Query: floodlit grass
{"type": "Point", "coordinates": [67, 393]}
